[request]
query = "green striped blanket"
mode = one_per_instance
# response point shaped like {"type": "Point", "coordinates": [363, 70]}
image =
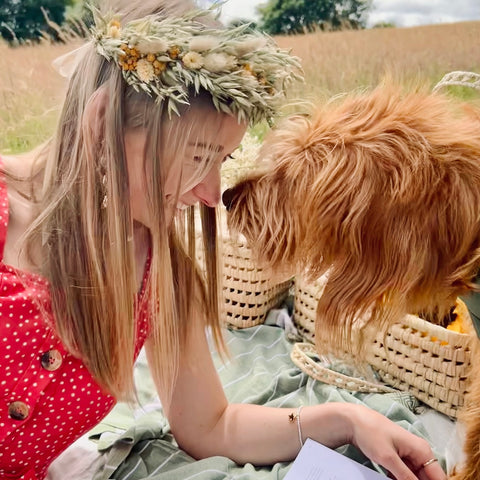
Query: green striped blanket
{"type": "Point", "coordinates": [136, 444]}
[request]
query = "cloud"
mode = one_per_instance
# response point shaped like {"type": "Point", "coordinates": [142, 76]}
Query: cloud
{"type": "Point", "coordinates": [235, 9]}
{"type": "Point", "coordinates": [405, 13]}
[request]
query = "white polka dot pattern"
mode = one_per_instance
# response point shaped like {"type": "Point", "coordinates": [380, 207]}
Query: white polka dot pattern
{"type": "Point", "coordinates": [63, 403]}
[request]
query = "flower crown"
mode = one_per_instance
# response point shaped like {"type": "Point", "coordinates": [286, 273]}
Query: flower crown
{"type": "Point", "coordinates": [244, 71]}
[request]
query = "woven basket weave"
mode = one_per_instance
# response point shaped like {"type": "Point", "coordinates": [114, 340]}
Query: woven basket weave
{"type": "Point", "coordinates": [429, 361]}
{"type": "Point", "coordinates": [249, 291]}
{"type": "Point", "coordinates": [305, 306]}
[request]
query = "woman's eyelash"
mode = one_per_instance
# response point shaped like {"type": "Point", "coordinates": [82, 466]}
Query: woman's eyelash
{"type": "Point", "coordinates": [199, 159]}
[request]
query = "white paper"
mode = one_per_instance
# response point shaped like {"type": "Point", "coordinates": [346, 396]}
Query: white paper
{"type": "Point", "coordinates": [317, 462]}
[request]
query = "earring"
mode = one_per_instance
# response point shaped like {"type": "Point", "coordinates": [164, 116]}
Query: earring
{"type": "Point", "coordinates": [105, 196]}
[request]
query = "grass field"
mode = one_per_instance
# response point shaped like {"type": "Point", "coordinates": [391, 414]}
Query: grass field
{"type": "Point", "coordinates": [31, 94]}
{"type": "Point", "coordinates": [338, 62]}
{"type": "Point", "coordinates": [334, 62]}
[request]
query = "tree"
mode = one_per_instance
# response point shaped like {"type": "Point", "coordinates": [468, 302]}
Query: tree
{"type": "Point", "coordinates": [297, 16]}
{"type": "Point", "coordinates": [384, 25]}
{"type": "Point", "coordinates": [24, 19]}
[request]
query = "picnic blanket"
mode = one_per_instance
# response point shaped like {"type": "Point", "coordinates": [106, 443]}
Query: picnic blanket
{"type": "Point", "coordinates": [136, 443]}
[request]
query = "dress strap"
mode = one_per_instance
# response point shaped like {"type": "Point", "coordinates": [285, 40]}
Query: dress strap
{"type": "Point", "coordinates": [3, 210]}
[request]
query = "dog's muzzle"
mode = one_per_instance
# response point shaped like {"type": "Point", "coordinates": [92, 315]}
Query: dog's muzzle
{"type": "Point", "coordinates": [228, 197]}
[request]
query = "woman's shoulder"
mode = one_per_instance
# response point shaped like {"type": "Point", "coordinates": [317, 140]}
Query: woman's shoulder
{"type": "Point", "coordinates": [16, 182]}
{"type": "Point", "coordinates": [15, 199]}
{"type": "Point", "coordinates": [18, 166]}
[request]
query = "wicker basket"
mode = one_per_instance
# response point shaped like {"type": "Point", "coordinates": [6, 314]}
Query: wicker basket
{"type": "Point", "coordinates": [249, 291]}
{"type": "Point", "coordinates": [429, 361]}
{"type": "Point", "coordinates": [305, 306]}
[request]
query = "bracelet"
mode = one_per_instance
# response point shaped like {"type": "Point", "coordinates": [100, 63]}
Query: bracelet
{"type": "Point", "coordinates": [296, 416]}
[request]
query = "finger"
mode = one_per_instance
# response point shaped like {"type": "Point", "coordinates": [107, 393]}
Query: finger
{"type": "Point", "coordinates": [397, 468]}
{"type": "Point", "coordinates": [422, 461]}
{"type": "Point", "coordinates": [431, 472]}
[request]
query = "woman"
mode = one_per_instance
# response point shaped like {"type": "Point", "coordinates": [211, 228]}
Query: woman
{"type": "Point", "coordinates": [97, 253]}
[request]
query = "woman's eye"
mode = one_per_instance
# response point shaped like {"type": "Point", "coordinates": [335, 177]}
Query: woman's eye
{"type": "Point", "coordinates": [197, 159]}
{"type": "Point", "coordinates": [228, 157]}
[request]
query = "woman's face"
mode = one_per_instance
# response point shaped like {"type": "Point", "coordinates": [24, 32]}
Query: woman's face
{"type": "Point", "coordinates": [193, 178]}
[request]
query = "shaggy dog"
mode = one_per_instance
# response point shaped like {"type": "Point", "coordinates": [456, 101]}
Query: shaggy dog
{"type": "Point", "coordinates": [382, 190]}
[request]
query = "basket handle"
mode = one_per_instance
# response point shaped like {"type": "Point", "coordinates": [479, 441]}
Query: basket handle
{"type": "Point", "coordinates": [464, 79]}
{"type": "Point", "coordinates": [301, 357]}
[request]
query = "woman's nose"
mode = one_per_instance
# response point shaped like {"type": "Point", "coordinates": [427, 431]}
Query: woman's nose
{"type": "Point", "coordinates": [208, 190]}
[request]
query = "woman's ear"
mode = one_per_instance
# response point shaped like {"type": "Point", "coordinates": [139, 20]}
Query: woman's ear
{"type": "Point", "coordinates": [93, 121]}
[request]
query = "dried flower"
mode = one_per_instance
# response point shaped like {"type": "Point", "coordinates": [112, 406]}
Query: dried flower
{"type": "Point", "coordinates": [250, 45]}
{"type": "Point", "coordinates": [114, 32]}
{"type": "Point", "coordinates": [248, 70]}
{"type": "Point", "coordinates": [114, 28]}
{"type": "Point", "coordinates": [156, 46]}
{"type": "Point", "coordinates": [219, 62]}
{"type": "Point", "coordinates": [159, 67]}
{"type": "Point", "coordinates": [145, 70]}
{"type": "Point", "coordinates": [174, 52]}
{"type": "Point", "coordinates": [167, 57]}
{"type": "Point", "coordinates": [203, 43]}
{"type": "Point", "coordinates": [193, 60]}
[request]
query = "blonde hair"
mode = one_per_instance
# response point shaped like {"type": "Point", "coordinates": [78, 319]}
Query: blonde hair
{"type": "Point", "coordinates": [88, 252]}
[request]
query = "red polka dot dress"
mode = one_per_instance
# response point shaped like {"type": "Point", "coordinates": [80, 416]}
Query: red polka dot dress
{"type": "Point", "coordinates": [48, 398]}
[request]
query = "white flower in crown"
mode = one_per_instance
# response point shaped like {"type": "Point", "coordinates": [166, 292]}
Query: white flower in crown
{"type": "Point", "coordinates": [203, 43]}
{"type": "Point", "coordinates": [145, 70]}
{"type": "Point", "coordinates": [113, 28]}
{"type": "Point", "coordinates": [250, 45]}
{"type": "Point", "coordinates": [114, 31]}
{"type": "Point", "coordinates": [152, 46]}
{"type": "Point", "coordinates": [193, 60]}
{"type": "Point", "coordinates": [219, 62]}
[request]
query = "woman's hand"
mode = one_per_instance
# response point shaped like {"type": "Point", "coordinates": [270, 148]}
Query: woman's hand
{"type": "Point", "coordinates": [394, 448]}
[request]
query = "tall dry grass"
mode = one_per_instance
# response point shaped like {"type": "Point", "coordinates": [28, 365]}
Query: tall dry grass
{"type": "Point", "coordinates": [334, 62]}
{"type": "Point", "coordinates": [338, 62]}
{"type": "Point", "coordinates": [31, 94]}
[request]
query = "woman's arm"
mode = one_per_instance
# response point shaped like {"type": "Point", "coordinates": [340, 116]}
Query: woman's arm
{"type": "Point", "coordinates": [204, 424]}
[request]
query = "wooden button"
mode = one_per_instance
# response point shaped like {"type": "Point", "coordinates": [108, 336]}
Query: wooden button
{"type": "Point", "coordinates": [51, 360]}
{"type": "Point", "coordinates": [18, 410]}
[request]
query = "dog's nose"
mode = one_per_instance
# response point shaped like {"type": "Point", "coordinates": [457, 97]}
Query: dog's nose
{"type": "Point", "coordinates": [228, 197]}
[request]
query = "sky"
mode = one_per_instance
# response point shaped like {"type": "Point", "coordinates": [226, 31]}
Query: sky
{"type": "Point", "coordinates": [403, 13]}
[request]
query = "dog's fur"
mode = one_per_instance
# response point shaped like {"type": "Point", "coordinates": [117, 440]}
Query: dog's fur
{"type": "Point", "coordinates": [470, 417]}
{"type": "Point", "coordinates": [381, 189]}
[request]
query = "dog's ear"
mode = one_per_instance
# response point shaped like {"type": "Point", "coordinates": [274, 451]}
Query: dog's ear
{"type": "Point", "coordinates": [295, 157]}
{"type": "Point", "coordinates": [286, 141]}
